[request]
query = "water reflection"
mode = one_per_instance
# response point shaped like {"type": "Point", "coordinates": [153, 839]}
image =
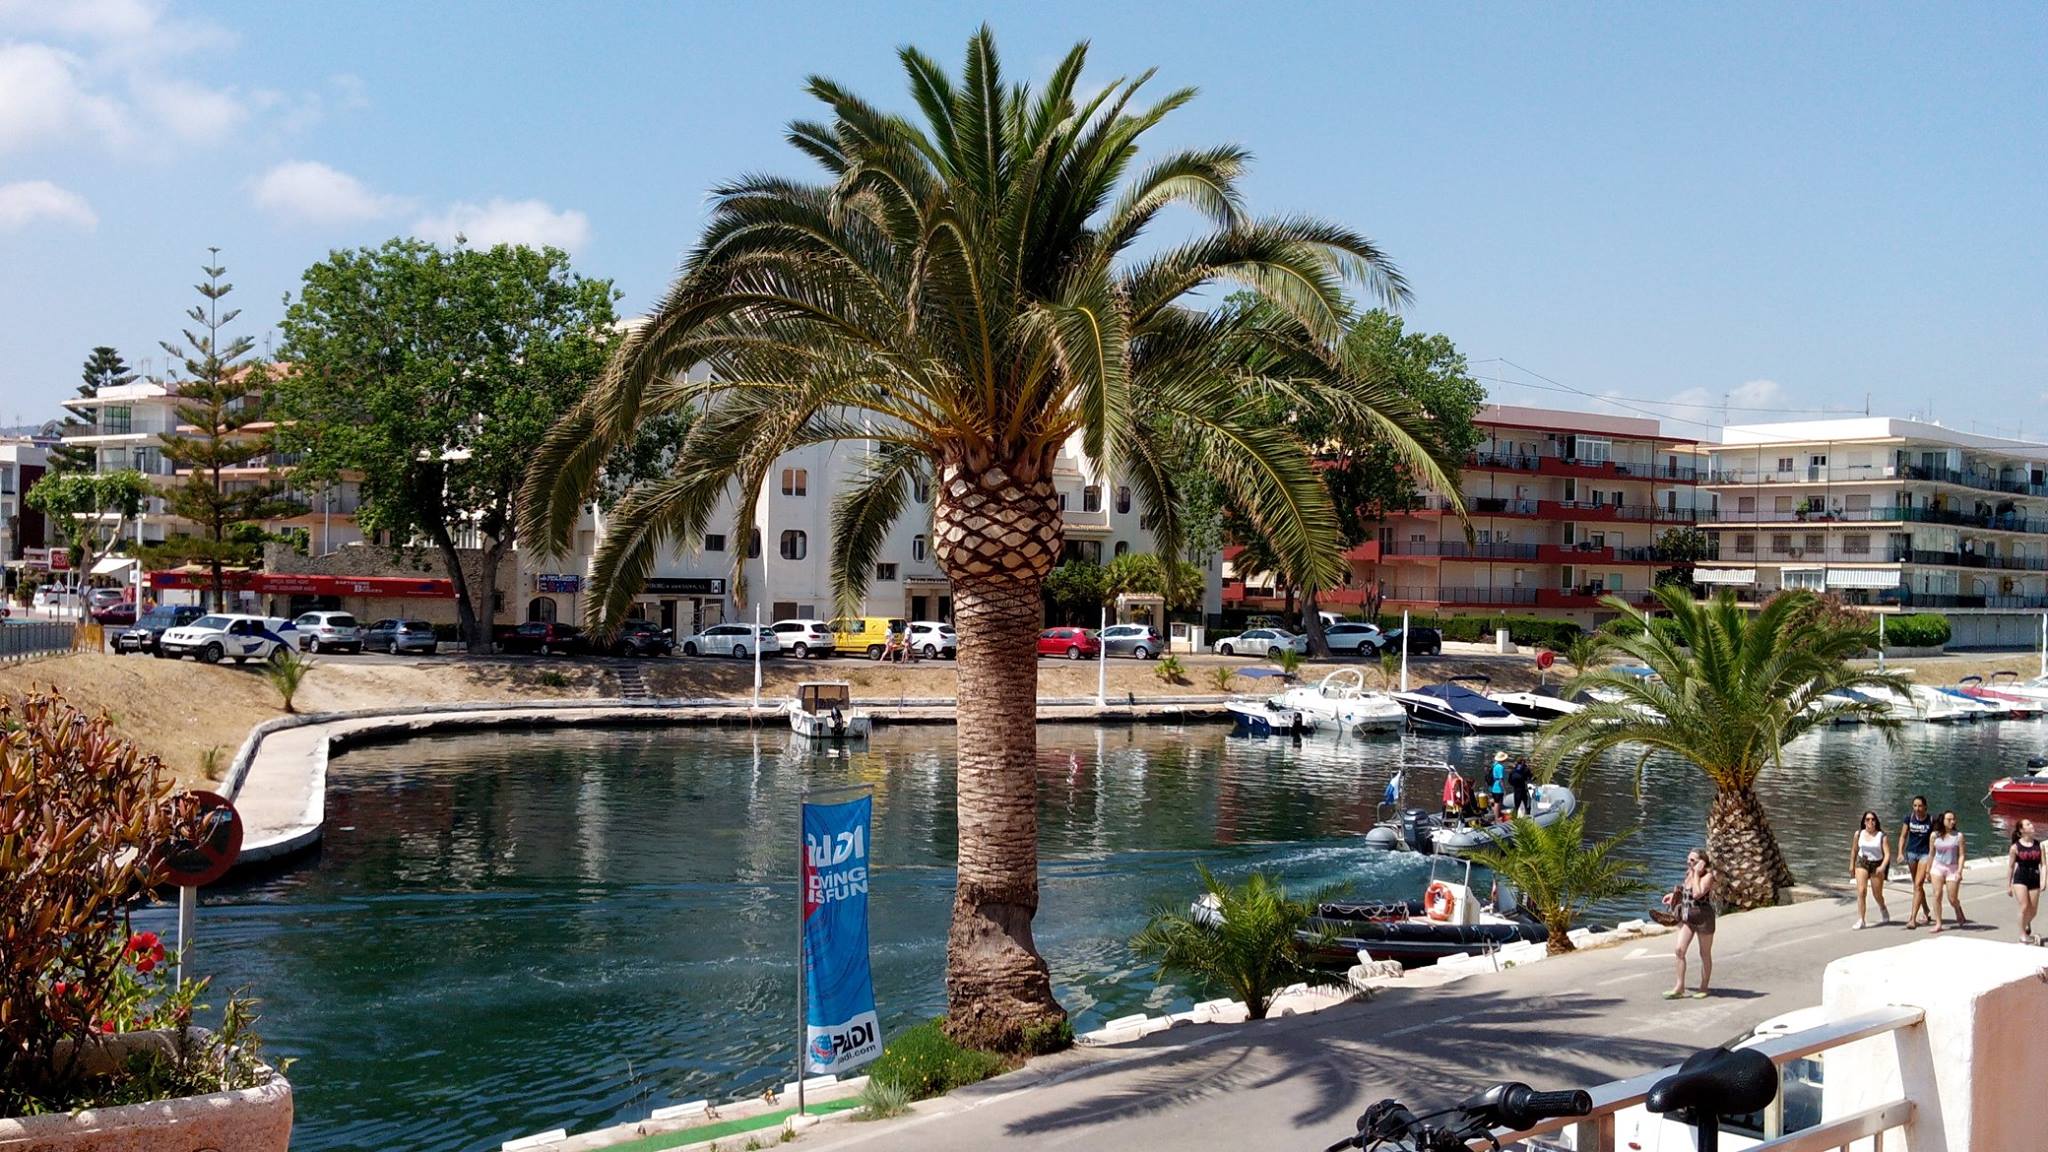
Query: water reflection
{"type": "Point", "coordinates": [503, 933]}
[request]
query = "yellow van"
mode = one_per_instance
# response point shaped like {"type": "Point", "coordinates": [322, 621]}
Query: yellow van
{"type": "Point", "coordinates": [862, 635]}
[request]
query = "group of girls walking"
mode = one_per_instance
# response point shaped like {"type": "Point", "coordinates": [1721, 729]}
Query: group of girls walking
{"type": "Point", "coordinates": [1932, 851]}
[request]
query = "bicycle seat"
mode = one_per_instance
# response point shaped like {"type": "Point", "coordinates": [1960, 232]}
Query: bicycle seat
{"type": "Point", "coordinates": [1717, 1082]}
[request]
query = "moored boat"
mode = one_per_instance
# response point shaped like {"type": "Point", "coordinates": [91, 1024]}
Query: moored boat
{"type": "Point", "coordinates": [1341, 704]}
{"type": "Point", "coordinates": [1537, 706]}
{"type": "Point", "coordinates": [2029, 790]}
{"type": "Point", "coordinates": [823, 710]}
{"type": "Point", "coordinates": [1267, 718]}
{"type": "Point", "coordinates": [2013, 705]}
{"type": "Point", "coordinates": [1453, 707]}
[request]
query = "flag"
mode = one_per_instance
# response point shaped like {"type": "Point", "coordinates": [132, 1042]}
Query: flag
{"type": "Point", "coordinates": [841, 1030]}
{"type": "Point", "coordinates": [1393, 792]}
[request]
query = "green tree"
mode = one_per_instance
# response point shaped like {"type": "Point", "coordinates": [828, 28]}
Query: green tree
{"type": "Point", "coordinates": [433, 376]}
{"type": "Point", "coordinates": [1727, 692]}
{"type": "Point", "coordinates": [1145, 574]}
{"type": "Point", "coordinates": [224, 400]}
{"type": "Point", "coordinates": [967, 290]}
{"type": "Point", "coordinates": [1682, 549]}
{"type": "Point", "coordinates": [104, 368]}
{"type": "Point", "coordinates": [1558, 874]}
{"type": "Point", "coordinates": [91, 509]}
{"type": "Point", "coordinates": [1249, 942]}
{"type": "Point", "coordinates": [1076, 589]}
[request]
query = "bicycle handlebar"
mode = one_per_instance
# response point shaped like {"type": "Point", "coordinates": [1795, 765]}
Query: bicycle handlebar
{"type": "Point", "coordinates": [1511, 1105]}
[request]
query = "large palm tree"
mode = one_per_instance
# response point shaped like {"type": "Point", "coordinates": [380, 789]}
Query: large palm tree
{"type": "Point", "coordinates": [960, 293]}
{"type": "Point", "coordinates": [1727, 690]}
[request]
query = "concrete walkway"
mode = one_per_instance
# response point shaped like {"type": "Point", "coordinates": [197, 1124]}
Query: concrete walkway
{"type": "Point", "coordinates": [1300, 1083]}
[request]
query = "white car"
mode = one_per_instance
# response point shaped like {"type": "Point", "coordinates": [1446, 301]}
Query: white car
{"type": "Point", "coordinates": [802, 638]}
{"type": "Point", "coordinates": [230, 635]}
{"type": "Point", "coordinates": [329, 631]}
{"type": "Point", "coordinates": [931, 640]}
{"type": "Point", "coordinates": [1350, 636]}
{"type": "Point", "coordinates": [48, 597]}
{"type": "Point", "coordinates": [1260, 642]}
{"type": "Point", "coordinates": [738, 641]}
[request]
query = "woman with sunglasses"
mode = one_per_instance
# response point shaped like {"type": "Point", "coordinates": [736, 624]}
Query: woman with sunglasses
{"type": "Point", "coordinates": [1870, 857]}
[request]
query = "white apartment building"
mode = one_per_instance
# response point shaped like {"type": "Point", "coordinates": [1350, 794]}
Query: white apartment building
{"type": "Point", "coordinates": [788, 562]}
{"type": "Point", "coordinates": [1883, 512]}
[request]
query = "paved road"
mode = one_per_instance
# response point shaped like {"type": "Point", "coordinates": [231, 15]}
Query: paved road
{"type": "Point", "coordinates": [1300, 1083]}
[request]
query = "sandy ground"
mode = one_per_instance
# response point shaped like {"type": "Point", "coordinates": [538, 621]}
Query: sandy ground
{"type": "Point", "coordinates": [185, 712]}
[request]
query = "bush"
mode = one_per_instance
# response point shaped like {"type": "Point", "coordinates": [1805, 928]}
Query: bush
{"type": "Point", "coordinates": [286, 670]}
{"type": "Point", "coordinates": [1920, 630]}
{"type": "Point", "coordinates": [923, 1061]}
{"type": "Point", "coordinates": [1170, 670]}
{"type": "Point", "coordinates": [1250, 946]}
{"type": "Point", "coordinates": [1525, 630]}
{"type": "Point", "coordinates": [1048, 1036]}
{"type": "Point", "coordinates": [880, 1100]}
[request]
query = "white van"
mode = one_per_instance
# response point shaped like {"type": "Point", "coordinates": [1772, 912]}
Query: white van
{"type": "Point", "coordinates": [232, 635]}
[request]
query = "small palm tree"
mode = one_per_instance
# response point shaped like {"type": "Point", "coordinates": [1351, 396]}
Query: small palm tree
{"type": "Point", "coordinates": [1727, 692]}
{"type": "Point", "coordinates": [1170, 670]}
{"type": "Point", "coordinates": [1251, 942]}
{"type": "Point", "coordinates": [1559, 874]}
{"type": "Point", "coordinates": [1583, 651]}
{"type": "Point", "coordinates": [286, 670]}
{"type": "Point", "coordinates": [1220, 678]}
{"type": "Point", "coordinates": [1390, 669]}
{"type": "Point", "coordinates": [1287, 660]}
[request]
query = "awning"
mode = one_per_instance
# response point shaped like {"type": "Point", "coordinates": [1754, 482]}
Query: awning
{"type": "Point", "coordinates": [112, 565]}
{"type": "Point", "coordinates": [1724, 575]}
{"type": "Point", "coordinates": [1863, 578]}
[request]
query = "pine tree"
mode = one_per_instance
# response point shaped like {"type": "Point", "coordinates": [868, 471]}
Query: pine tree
{"type": "Point", "coordinates": [104, 368]}
{"type": "Point", "coordinates": [222, 404]}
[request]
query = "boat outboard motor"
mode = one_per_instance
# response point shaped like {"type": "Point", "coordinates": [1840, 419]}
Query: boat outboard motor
{"type": "Point", "coordinates": [838, 722]}
{"type": "Point", "coordinates": [2037, 762]}
{"type": "Point", "coordinates": [1415, 830]}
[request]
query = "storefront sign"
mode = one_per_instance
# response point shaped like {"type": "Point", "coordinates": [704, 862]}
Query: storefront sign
{"type": "Point", "coordinates": [558, 582]}
{"type": "Point", "coordinates": [841, 1029]}
{"type": "Point", "coordinates": [307, 584]}
{"type": "Point", "coordinates": [685, 586]}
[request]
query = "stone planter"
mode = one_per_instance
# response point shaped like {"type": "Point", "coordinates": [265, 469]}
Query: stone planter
{"type": "Point", "coordinates": [255, 1119]}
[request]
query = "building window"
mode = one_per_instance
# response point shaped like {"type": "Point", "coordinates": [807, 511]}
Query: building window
{"type": "Point", "coordinates": [1855, 545]}
{"type": "Point", "coordinates": [1123, 499]}
{"type": "Point", "coordinates": [1745, 545]}
{"type": "Point", "coordinates": [795, 482]}
{"type": "Point", "coordinates": [1084, 551]}
{"type": "Point", "coordinates": [1091, 498]}
{"type": "Point", "coordinates": [1781, 543]}
{"type": "Point", "coordinates": [1859, 505]}
{"type": "Point", "coordinates": [117, 421]}
{"type": "Point", "coordinates": [714, 542]}
{"type": "Point", "coordinates": [1145, 523]}
{"type": "Point", "coordinates": [1614, 581]}
{"type": "Point", "coordinates": [784, 610]}
{"type": "Point", "coordinates": [795, 545]}
{"type": "Point", "coordinates": [541, 608]}
{"type": "Point", "coordinates": [917, 548]}
{"type": "Point", "coordinates": [1123, 547]}
{"type": "Point", "coordinates": [1063, 501]}
{"type": "Point", "coordinates": [885, 571]}
{"type": "Point", "coordinates": [921, 488]}
{"type": "Point", "coordinates": [753, 543]}
{"type": "Point", "coordinates": [1782, 505]}
{"type": "Point", "coordinates": [1784, 463]}
{"type": "Point", "coordinates": [1816, 542]}
{"type": "Point", "coordinates": [1746, 504]}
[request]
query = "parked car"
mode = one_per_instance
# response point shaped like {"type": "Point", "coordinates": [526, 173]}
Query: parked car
{"type": "Point", "coordinates": [329, 632]}
{"type": "Point", "coordinates": [1140, 641]}
{"type": "Point", "coordinates": [119, 613]}
{"type": "Point", "coordinates": [932, 640]}
{"type": "Point", "coordinates": [643, 638]}
{"type": "Point", "coordinates": [545, 638]}
{"type": "Point", "coordinates": [804, 638]}
{"type": "Point", "coordinates": [1260, 642]}
{"type": "Point", "coordinates": [395, 636]}
{"type": "Point", "coordinates": [1421, 641]}
{"type": "Point", "coordinates": [230, 635]}
{"type": "Point", "coordinates": [862, 635]}
{"type": "Point", "coordinates": [96, 598]}
{"type": "Point", "coordinates": [153, 624]}
{"type": "Point", "coordinates": [738, 641]}
{"type": "Point", "coordinates": [50, 597]}
{"type": "Point", "coordinates": [1073, 643]}
{"type": "Point", "coordinates": [1353, 638]}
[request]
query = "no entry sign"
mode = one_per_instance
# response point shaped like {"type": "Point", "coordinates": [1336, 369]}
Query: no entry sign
{"type": "Point", "coordinates": [209, 847]}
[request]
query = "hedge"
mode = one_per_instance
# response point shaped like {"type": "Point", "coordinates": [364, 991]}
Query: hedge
{"type": "Point", "coordinates": [1530, 631]}
{"type": "Point", "coordinates": [1920, 630]}
{"type": "Point", "coordinates": [925, 1062]}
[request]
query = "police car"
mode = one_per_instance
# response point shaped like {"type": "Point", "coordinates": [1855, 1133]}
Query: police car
{"type": "Point", "coordinates": [231, 636]}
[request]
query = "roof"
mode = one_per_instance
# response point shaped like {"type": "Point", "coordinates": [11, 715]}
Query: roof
{"type": "Point", "coordinates": [1580, 423]}
{"type": "Point", "coordinates": [1872, 428]}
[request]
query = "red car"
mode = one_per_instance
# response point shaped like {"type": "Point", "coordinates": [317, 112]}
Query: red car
{"type": "Point", "coordinates": [1073, 643]}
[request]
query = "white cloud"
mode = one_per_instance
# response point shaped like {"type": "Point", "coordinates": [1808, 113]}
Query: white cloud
{"type": "Point", "coordinates": [191, 112]}
{"type": "Point", "coordinates": [43, 96]}
{"type": "Point", "coordinates": [1745, 403]}
{"type": "Point", "coordinates": [311, 192]}
{"type": "Point", "coordinates": [530, 222]}
{"type": "Point", "coordinates": [28, 201]}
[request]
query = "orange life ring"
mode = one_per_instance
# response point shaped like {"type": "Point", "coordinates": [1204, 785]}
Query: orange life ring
{"type": "Point", "coordinates": [1439, 903]}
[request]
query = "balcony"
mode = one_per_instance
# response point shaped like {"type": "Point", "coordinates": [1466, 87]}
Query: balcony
{"type": "Point", "coordinates": [1583, 468]}
{"type": "Point", "coordinates": [1457, 596]}
{"type": "Point", "coordinates": [1459, 550]}
{"type": "Point", "coordinates": [1586, 510]}
{"type": "Point", "coordinates": [1907, 598]}
{"type": "Point", "coordinates": [1589, 596]}
{"type": "Point", "coordinates": [1812, 474]}
{"type": "Point", "coordinates": [1993, 522]}
{"type": "Point", "coordinates": [1970, 560]}
{"type": "Point", "coordinates": [1982, 481]}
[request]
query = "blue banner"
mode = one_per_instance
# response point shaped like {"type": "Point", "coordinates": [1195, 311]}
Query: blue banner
{"type": "Point", "coordinates": [841, 1031]}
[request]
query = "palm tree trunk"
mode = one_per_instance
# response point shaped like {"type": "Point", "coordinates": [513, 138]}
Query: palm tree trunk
{"type": "Point", "coordinates": [1558, 923]}
{"type": "Point", "coordinates": [1748, 863]}
{"type": "Point", "coordinates": [997, 536]}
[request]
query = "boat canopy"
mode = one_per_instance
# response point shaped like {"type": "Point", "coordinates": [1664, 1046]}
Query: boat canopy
{"type": "Point", "coordinates": [822, 696]}
{"type": "Point", "coordinates": [1464, 700]}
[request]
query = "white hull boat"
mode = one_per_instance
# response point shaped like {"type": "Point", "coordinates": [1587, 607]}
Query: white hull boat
{"type": "Point", "coordinates": [1420, 830]}
{"type": "Point", "coordinates": [1341, 704]}
{"type": "Point", "coordinates": [2011, 705]}
{"type": "Point", "coordinates": [1537, 707]}
{"type": "Point", "coordinates": [1268, 718]}
{"type": "Point", "coordinates": [823, 710]}
{"type": "Point", "coordinates": [1452, 707]}
{"type": "Point", "coordinates": [1922, 704]}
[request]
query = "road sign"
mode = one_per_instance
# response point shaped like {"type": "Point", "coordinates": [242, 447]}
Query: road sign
{"type": "Point", "coordinates": [206, 856]}
{"type": "Point", "coordinates": [1546, 658]}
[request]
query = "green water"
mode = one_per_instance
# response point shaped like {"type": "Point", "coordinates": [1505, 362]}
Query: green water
{"type": "Point", "coordinates": [508, 933]}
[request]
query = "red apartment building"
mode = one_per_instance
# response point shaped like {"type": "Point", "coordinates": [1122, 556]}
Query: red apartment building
{"type": "Point", "coordinates": [1564, 508]}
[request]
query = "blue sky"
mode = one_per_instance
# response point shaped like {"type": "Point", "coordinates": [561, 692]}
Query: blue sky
{"type": "Point", "coordinates": [1775, 207]}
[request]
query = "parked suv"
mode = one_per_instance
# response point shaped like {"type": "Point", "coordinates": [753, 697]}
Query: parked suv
{"type": "Point", "coordinates": [1356, 638]}
{"type": "Point", "coordinates": [643, 638]}
{"type": "Point", "coordinates": [736, 640]}
{"type": "Point", "coordinates": [230, 635]}
{"type": "Point", "coordinates": [1421, 641]}
{"type": "Point", "coordinates": [153, 624]}
{"type": "Point", "coordinates": [1140, 641]}
{"type": "Point", "coordinates": [932, 640]}
{"type": "Point", "coordinates": [395, 636]}
{"type": "Point", "coordinates": [545, 638]}
{"type": "Point", "coordinates": [802, 638]}
{"type": "Point", "coordinates": [329, 631]}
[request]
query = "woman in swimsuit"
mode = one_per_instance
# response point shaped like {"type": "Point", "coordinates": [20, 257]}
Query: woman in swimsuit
{"type": "Point", "coordinates": [1693, 902]}
{"type": "Point", "coordinates": [1870, 857]}
{"type": "Point", "coordinates": [2023, 864]}
{"type": "Point", "coordinates": [1945, 869]}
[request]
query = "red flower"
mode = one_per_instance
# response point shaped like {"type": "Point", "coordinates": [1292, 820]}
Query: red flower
{"type": "Point", "coordinates": [107, 1027]}
{"type": "Point", "coordinates": [145, 963]}
{"type": "Point", "coordinates": [142, 942]}
{"type": "Point", "coordinates": [59, 988]}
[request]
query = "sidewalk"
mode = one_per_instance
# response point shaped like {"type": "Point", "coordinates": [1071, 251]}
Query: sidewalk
{"type": "Point", "coordinates": [1300, 1083]}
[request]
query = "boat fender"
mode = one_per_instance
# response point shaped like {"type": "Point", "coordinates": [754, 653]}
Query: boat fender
{"type": "Point", "coordinates": [1439, 903]}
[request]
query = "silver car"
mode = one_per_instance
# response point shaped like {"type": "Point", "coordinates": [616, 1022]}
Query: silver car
{"type": "Point", "coordinates": [1260, 642]}
{"type": "Point", "coordinates": [1139, 641]}
{"type": "Point", "coordinates": [329, 632]}
{"type": "Point", "coordinates": [736, 640]}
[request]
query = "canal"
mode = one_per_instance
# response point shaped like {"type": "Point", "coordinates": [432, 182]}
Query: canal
{"type": "Point", "coordinates": [507, 933]}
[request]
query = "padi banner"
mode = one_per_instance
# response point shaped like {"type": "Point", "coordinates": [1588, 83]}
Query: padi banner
{"type": "Point", "coordinates": [841, 1031]}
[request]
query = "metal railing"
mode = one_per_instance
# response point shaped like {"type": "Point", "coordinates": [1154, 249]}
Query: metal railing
{"type": "Point", "coordinates": [1587, 509]}
{"type": "Point", "coordinates": [1596, 1131]}
{"type": "Point", "coordinates": [1459, 550]}
{"type": "Point", "coordinates": [36, 638]}
{"type": "Point", "coordinates": [1995, 522]}
{"type": "Point", "coordinates": [1982, 481]}
{"type": "Point", "coordinates": [1429, 595]}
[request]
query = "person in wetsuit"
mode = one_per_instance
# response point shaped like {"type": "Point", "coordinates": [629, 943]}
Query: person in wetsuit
{"type": "Point", "coordinates": [2023, 871]}
{"type": "Point", "coordinates": [1519, 779]}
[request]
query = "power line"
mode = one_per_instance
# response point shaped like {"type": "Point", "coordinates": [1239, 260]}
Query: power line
{"type": "Point", "coordinates": [1630, 402]}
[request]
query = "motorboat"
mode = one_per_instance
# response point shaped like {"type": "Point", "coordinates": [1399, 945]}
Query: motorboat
{"type": "Point", "coordinates": [1979, 709]}
{"type": "Point", "coordinates": [1841, 720]}
{"type": "Point", "coordinates": [1268, 717]}
{"type": "Point", "coordinates": [1449, 920]}
{"type": "Point", "coordinates": [823, 710]}
{"type": "Point", "coordinates": [1540, 705]}
{"type": "Point", "coordinates": [2016, 706]}
{"type": "Point", "coordinates": [1341, 704]}
{"type": "Point", "coordinates": [1407, 829]}
{"type": "Point", "coordinates": [1453, 707]}
{"type": "Point", "coordinates": [2009, 682]}
{"type": "Point", "coordinates": [2025, 791]}
{"type": "Point", "coordinates": [1921, 703]}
